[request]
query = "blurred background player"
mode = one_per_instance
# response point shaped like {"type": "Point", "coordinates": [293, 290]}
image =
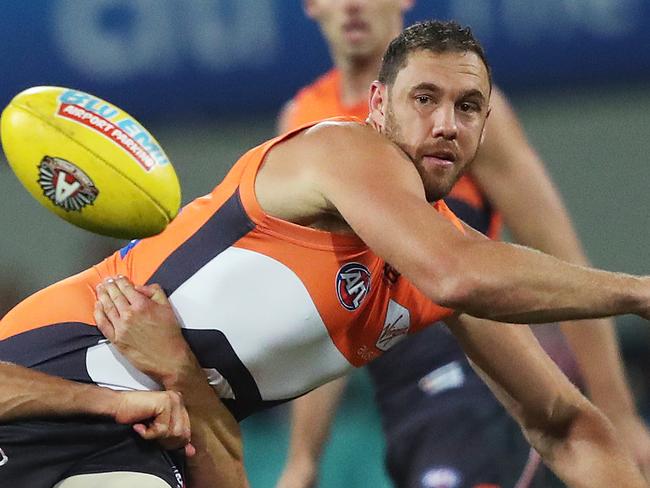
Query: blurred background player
{"type": "Point", "coordinates": [419, 401]}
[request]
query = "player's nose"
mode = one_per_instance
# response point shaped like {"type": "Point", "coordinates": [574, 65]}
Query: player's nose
{"type": "Point", "coordinates": [444, 122]}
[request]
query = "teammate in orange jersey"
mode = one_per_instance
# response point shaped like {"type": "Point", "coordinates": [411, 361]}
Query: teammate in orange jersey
{"type": "Point", "coordinates": [425, 384]}
{"type": "Point", "coordinates": [317, 252]}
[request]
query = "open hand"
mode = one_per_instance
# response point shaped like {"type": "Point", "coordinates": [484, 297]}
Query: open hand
{"type": "Point", "coordinates": [140, 322]}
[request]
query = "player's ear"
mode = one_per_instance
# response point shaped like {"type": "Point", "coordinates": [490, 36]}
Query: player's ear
{"type": "Point", "coordinates": [377, 102]}
{"type": "Point", "coordinates": [311, 8]}
{"type": "Point", "coordinates": [407, 5]}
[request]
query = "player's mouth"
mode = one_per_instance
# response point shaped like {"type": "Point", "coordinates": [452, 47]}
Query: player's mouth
{"type": "Point", "coordinates": [442, 159]}
{"type": "Point", "coordinates": [355, 30]}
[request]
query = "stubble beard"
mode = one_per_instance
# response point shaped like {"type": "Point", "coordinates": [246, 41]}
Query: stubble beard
{"type": "Point", "coordinates": [435, 187]}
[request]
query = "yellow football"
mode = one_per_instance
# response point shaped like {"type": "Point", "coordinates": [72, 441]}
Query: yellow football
{"type": "Point", "coordinates": [89, 162]}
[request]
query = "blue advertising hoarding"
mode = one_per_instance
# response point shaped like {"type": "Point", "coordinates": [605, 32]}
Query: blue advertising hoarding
{"type": "Point", "coordinates": [221, 57]}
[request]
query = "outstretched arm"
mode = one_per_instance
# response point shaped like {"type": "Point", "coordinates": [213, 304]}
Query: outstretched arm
{"type": "Point", "coordinates": [131, 317]}
{"type": "Point", "coordinates": [515, 180]}
{"type": "Point", "coordinates": [575, 440]}
{"type": "Point", "coordinates": [355, 172]}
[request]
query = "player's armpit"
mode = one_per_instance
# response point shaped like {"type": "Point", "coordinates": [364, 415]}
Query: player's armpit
{"type": "Point", "coordinates": [573, 437]}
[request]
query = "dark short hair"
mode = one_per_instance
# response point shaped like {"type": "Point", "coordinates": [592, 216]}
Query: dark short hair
{"type": "Point", "coordinates": [435, 36]}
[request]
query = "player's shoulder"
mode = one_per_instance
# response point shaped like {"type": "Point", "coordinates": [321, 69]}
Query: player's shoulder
{"type": "Point", "coordinates": [341, 142]}
{"type": "Point", "coordinates": [326, 85]}
{"type": "Point", "coordinates": [345, 135]}
{"type": "Point", "coordinates": [343, 147]}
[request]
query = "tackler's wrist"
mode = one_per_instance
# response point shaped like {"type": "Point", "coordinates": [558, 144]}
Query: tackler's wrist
{"type": "Point", "coordinates": [182, 371]}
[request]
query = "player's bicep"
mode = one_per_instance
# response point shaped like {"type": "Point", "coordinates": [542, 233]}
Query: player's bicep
{"type": "Point", "coordinates": [515, 367]}
{"type": "Point", "coordinates": [376, 189]}
{"type": "Point", "coordinates": [472, 232]}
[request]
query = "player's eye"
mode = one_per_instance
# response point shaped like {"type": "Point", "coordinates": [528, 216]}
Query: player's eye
{"type": "Point", "coordinates": [469, 107]}
{"type": "Point", "coordinates": [423, 99]}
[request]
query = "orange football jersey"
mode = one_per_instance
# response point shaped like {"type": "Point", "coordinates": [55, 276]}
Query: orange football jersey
{"type": "Point", "coordinates": [271, 309]}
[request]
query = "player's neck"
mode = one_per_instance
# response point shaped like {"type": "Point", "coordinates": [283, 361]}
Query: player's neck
{"type": "Point", "coordinates": [356, 77]}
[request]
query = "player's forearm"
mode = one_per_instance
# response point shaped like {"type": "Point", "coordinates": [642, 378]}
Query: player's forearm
{"type": "Point", "coordinates": [509, 283]}
{"type": "Point", "coordinates": [25, 393]}
{"type": "Point", "coordinates": [583, 451]}
{"type": "Point", "coordinates": [215, 433]}
{"type": "Point", "coordinates": [544, 224]}
{"type": "Point", "coordinates": [311, 419]}
{"type": "Point", "coordinates": [595, 346]}
{"type": "Point", "coordinates": [213, 464]}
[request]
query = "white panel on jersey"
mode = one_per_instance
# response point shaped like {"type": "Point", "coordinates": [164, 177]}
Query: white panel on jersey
{"type": "Point", "coordinates": [107, 367]}
{"type": "Point", "coordinates": [270, 320]}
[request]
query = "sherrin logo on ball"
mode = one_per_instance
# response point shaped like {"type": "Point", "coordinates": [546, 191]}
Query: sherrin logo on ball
{"type": "Point", "coordinates": [65, 184]}
{"type": "Point", "coordinates": [89, 162]}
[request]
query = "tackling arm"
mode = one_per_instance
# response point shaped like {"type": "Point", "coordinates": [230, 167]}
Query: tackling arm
{"type": "Point", "coordinates": [131, 316]}
{"type": "Point", "coordinates": [26, 393]}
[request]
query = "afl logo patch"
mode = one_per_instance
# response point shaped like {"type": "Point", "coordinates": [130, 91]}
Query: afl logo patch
{"type": "Point", "coordinates": [352, 285]}
{"type": "Point", "coordinates": [66, 185]}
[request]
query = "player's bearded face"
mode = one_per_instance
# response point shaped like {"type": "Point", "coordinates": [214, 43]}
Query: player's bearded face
{"type": "Point", "coordinates": [435, 112]}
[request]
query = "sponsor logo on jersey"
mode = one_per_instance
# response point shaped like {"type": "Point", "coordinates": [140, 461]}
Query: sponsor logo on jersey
{"type": "Point", "coordinates": [113, 124]}
{"type": "Point", "coordinates": [66, 185]}
{"type": "Point", "coordinates": [396, 326]}
{"type": "Point", "coordinates": [441, 477]}
{"type": "Point", "coordinates": [352, 285]}
{"type": "Point", "coordinates": [366, 353]}
{"type": "Point", "coordinates": [3, 458]}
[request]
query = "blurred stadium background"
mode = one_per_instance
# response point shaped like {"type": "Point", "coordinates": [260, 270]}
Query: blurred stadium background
{"type": "Point", "coordinates": [208, 76]}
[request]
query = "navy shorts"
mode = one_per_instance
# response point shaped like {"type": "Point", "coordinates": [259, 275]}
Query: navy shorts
{"type": "Point", "coordinates": [466, 448]}
{"type": "Point", "coordinates": [40, 453]}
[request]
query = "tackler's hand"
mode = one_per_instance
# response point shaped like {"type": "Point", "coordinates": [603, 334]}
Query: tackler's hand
{"type": "Point", "coordinates": [156, 415]}
{"type": "Point", "coordinates": [140, 322]}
